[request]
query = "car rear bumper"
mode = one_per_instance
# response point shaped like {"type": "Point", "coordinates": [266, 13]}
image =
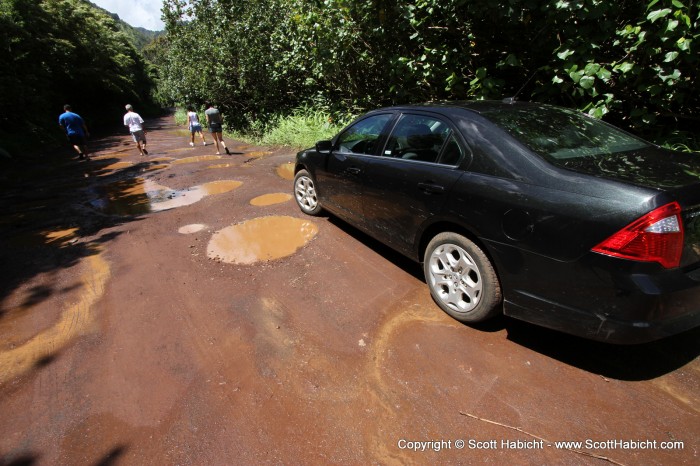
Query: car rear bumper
{"type": "Point", "coordinates": [600, 327]}
{"type": "Point", "coordinates": [608, 299]}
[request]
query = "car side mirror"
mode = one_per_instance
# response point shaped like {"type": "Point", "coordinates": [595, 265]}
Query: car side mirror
{"type": "Point", "coordinates": [324, 147]}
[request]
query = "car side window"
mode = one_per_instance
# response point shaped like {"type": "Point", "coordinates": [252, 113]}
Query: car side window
{"type": "Point", "coordinates": [362, 137]}
{"type": "Point", "coordinates": [417, 137]}
{"type": "Point", "coordinates": [452, 153]}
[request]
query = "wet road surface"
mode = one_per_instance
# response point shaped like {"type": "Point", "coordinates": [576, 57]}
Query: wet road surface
{"type": "Point", "coordinates": [180, 309]}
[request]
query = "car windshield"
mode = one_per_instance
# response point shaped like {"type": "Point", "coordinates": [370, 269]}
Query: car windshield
{"type": "Point", "coordinates": [563, 136]}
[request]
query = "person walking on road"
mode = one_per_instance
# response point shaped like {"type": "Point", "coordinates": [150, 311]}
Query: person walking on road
{"type": "Point", "coordinates": [135, 123]}
{"type": "Point", "coordinates": [194, 125]}
{"type": "Point", "coordinates": [215, 121]}
{"type": "Point", "coordinates": [76, 131]}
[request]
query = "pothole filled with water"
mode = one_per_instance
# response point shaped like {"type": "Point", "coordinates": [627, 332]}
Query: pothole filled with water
{"type": "Point", "coordinates": [192, 228]}
{"type": "Point", "coordinates": [270, 199]}
{"type": "Point", "coordinates": [261, 239]}
{"type": "Point", "coordinates": [195, 159]}
{"type": "Point", "coordinates": [140, 196]}
{"type": "Point", "coordinates": [286, 171]}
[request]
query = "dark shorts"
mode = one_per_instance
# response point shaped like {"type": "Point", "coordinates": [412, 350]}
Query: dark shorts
{"type": "Point", "coordinates": [196, 128]}
{"type": "Point", "coordinates": [139, 135]}
{"type": "Point", "coordinates": [76, 139]}
{"type": "Point", "coordinates": [215, 128]}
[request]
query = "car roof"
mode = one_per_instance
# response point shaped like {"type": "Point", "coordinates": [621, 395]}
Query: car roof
{"type": "Point", "coordinates": [476, 106]}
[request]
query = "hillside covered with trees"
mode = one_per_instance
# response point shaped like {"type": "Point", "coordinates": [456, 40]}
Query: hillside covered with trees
{"type": "Point", "coordinates": [64, 51]}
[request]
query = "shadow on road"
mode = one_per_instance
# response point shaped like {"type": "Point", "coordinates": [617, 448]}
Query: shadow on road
{"type": "Point", "coordinates": [47, 222]}
{"type": "Point", "coordinates": [621, 362]}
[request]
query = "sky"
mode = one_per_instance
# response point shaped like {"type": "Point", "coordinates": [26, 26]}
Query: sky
{"type": "Point", "coordinates": [137, 13]}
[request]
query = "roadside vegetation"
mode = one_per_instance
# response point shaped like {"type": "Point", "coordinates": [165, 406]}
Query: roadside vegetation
{"type": "Point", "coordinates": [631, 63]}
{"type": "Point", "coordinates": [293, 71]}
{"type": "Point", "coordinates": [300, 129]}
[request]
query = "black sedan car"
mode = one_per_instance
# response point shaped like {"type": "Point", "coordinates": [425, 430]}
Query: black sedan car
{"type": "Point", "coordinates": [530, 210]}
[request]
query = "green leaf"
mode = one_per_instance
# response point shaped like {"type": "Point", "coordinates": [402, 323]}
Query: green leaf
{"type": "Point", "coordinates": [565, 54]}
{"type": "Point", "coordinates": [654, 15]}
{"type": "Point", "coordinates": [604, 74]}
{"type": "Point", "coordinates": [587, 82]}
{"type": "Point", "coordinates": [481, 73]}
{"type": "Point", "coordinates": [624, 67]}
{"type": "Point", "coordinates": [576, 76]}
{"type": "Point", "coordinates": [591, 69]}
{"type": "Point", "coordinates": [670, 56]}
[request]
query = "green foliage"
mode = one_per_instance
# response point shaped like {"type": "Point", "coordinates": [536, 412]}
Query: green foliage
{"type": "Point", "coordinates": [302, 128]}
{"type": "Point", "coordinates": [54, 52]}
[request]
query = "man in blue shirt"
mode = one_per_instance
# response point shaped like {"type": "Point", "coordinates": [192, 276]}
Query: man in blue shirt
{"type": "Point", "coordinates": [76, 130]}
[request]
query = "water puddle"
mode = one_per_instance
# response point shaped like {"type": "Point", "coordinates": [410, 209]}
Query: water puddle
{"type": "Point", "coordinates": [76, 319]}
{"type": "Point", "coordinates": [157, 167]}
{"type": "Point", "coordinates": [261, 239]}
{"type": "Point", "coordinates": [286, 171]}
{"type": "Point", "coordinates": [270, 199]}
{"type": "Point", "coordinates": [111, 154]}
{"type": "Point", "coordinates": [126, 197]}
{"type": "Point", "coordinates": [221, 165]}
{"type": "Point", "coordinates": [166, 199]}
{"type": "Point", "coordinates": [258, 154]}
{"type": "Point", "coordinates": [141, 196]}
{"type": "Point", "coordinates": [110, 169]}
{"type": "Point", "coordinates": [60, 237]}
{"type": "Point", "coordinates": [118, 165]}
{"type": "Point", "coordinates": [191, 228]}
{"type": "Point", "coordinates": [180, 149]}
{"type": "Point", "coordinates": [195, 159]}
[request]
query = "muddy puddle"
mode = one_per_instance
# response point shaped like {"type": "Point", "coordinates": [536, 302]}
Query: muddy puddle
{"type": "Point", "coordinates": [23, 349]}
{"type": "Point", "coordinates": [191, 228]}
{"type": "Point", "coordinates": [257, 154]}
{"type": "Point", "coordinates": [286, 171]}
{"type": "Point", "coordinates": [141, 196]}
{"type": "Point", "coordinates": [60, 237]}
{"type": "Point", "coordinates": [261, 239]}
{"type": "Point", "coordinates": [110, 169]}
{"type": "Point", "coordinates": [195, 159]}
{"type": "Point", "coordinates": [270, 199]}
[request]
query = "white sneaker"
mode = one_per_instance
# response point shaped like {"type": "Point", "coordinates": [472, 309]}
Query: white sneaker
{"type": "Point", "coordinates": [192, 144]}
{"type": "Point", "coordinates": [204, 143]}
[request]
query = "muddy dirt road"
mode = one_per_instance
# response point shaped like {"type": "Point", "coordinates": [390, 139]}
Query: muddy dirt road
{"type": "Point", "coordinates": [180, 309]}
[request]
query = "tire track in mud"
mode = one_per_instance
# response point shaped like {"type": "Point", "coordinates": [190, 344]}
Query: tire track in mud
{"type": "Point", "coordinates": [413, 309]}
{"type": "Point", "coordinates": [77, 319]}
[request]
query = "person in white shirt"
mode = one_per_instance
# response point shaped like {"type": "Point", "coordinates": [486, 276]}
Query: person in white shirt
{"type": "Point", "coordinates": [135, 123]}
{"type": "Point", "coordinates": [194, 125]}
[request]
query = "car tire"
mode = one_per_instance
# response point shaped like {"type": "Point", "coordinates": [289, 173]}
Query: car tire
{"type": "Point", "coordinates": [461, 278]}
{"type": "Point", "coordinates": [305, 193]}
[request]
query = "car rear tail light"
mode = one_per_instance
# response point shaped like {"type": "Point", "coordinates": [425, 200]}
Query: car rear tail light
{"type": "Point", "coordinates": [656, 237]}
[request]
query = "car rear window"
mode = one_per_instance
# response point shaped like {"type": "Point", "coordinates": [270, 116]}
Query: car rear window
{"type": "Point", "coordinates": [561, 135]}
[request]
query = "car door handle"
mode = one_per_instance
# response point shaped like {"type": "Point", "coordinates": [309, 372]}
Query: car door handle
{"type": "Point", "coordinates": [354, 170]}
{"type": "Point", "coordinates": [431, 188]}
